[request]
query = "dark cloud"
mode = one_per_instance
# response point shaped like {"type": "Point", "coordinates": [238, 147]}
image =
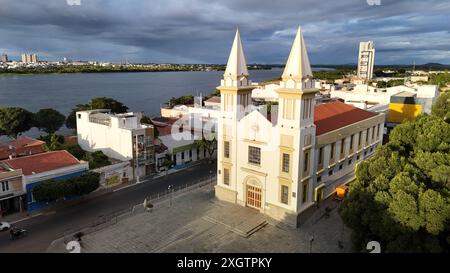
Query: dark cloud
{"type": "Point", "coordinates": [201, 31]}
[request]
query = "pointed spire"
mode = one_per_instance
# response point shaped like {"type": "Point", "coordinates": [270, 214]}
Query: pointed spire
{"type": "Point", "coordinates": [297, 66]}
{"type": "Point", "coordinates": [236, 66]}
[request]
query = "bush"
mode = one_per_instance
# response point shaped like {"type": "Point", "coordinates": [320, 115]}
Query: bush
{"type": "Point", "coordinates": [76, 151]}
{"type": "Point", "coordinates": [52, 190]}
{"type": "Point", "coordinates": [98, 159]}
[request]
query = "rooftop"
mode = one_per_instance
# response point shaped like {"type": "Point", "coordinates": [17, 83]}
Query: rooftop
{"type": "Point", "coordinates": [43, 162]}
{"type": "Point", "coordinates": [214, 99]}
{"type": "Point", "coordinates": [334, 115]}
{"type": "Point", "coordinates": [21, 145]}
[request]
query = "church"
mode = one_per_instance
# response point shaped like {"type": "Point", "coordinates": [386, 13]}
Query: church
{"type": "Point", "coordinates": [283, 156]}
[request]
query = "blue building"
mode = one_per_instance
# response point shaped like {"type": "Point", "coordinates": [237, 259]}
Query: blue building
{"type": "Point", "coordinates": [56, 165]}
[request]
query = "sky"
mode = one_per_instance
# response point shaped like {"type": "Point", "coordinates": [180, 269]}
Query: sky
{"type": "Point", "coordinates": [202, 31]}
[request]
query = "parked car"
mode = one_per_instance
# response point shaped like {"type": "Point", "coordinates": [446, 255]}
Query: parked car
{"type": "Point", "coordinates": [4, 226]}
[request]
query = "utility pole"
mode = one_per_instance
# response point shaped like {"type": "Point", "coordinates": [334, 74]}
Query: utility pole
{"type": "Point", "coordinates": [137, 159]}
{"type": "Point", "coordinates": [170, 188]}
{"type": "Point", "coordinates": [210, 182]}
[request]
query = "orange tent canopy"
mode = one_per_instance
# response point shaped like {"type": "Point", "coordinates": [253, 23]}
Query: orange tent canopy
{"type": "Point", "coordinates": [341, 191]}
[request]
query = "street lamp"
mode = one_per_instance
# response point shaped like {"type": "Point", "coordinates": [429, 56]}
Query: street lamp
{"type": "Point", "coordinates": [137, 159]}
{"type": "Point", "coordinates": [210, 181]}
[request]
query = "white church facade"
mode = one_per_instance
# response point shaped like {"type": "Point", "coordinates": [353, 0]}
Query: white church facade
{"type": "Point", "coordinates": [284, 162]}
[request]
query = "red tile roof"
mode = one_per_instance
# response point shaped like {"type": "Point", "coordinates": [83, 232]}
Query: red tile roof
{"type": "Point", "coordinates": [334, 115]}
{"type": "Point", "coordinates": [22, 146]}
{"type": "Point", "coordinates": [40, 163]}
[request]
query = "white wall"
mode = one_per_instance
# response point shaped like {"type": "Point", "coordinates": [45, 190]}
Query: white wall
{"type": "Point", "coordinates": [112, 141]}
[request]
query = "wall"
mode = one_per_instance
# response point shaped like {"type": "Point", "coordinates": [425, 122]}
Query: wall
{"type": "Point", "coordinates": [114, 142]}
{"type": "Point", "coordinates": [32, 181]}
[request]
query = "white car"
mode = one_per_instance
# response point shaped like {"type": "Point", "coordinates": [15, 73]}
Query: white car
{"type": "Point", "coordinates": [4, 226]}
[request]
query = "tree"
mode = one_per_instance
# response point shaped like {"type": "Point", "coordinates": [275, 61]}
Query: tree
{"type": "Point", "coordinates": [209, 144]}
{"type": "Point", "coordinates": [76, 151]}
{"type": "Point", "coordinates": [441, 107]}
{"type": "Point", "coordinates": [183, 100]}
{"type": "Point", "coordinates": [167, 162]}
{"type": "Point", "coordinates": [108, 103]}
{"type": "Point", "coordinates": [52, 190]}
{"type": "Point", "coordinates": [14, 121]}
{"type": "Point", "coordinates": [95, 103]}
{"type": "Point", "coordinates": [401, 196]}
{"type": "Point", "coordinates": [54, 143]}
{"type": "Point", "coordinates": [49, 120]}
{"type": "Point", "coordinates": [98, 159]}
{"type": "Point", "coordinates": [71, 121]}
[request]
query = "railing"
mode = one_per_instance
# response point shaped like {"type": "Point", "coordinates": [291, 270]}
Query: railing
{"type": "Point", "coordinates": [112, 218]}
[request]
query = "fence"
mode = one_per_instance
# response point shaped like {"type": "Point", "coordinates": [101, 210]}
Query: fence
{"type": "Point", "coordinates": [112, 218]}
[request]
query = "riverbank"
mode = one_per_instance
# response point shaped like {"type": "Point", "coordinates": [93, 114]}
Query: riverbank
{"type": "Point", "coordinates": [88, 69]}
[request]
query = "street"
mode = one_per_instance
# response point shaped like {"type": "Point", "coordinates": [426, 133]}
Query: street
{"type": "Point", "coordinates": [46, 228]}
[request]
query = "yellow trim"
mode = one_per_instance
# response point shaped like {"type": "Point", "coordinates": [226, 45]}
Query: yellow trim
{"type": "Point", "coordinates": [253, 171]}
{"type": "Point", "coordinates": [285, 179]}
{"type": "Point", "coordinates": [321, 186]}
{"type": "Point", "coordinates": [227, 164]}
{"type": "Point", "coordinates": [287, 149]}
{"type": "Point", "coordinates": [254, 141]}
{"type": "Point", "coordinates": [294, 92]}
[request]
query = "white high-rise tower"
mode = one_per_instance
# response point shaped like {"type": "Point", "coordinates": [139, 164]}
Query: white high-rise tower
{"type": "Point", "coordinates": [366, 58]}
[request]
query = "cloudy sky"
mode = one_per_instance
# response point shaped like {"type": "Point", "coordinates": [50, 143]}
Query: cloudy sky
{"type": "Point", "coordinates": [201, 31]}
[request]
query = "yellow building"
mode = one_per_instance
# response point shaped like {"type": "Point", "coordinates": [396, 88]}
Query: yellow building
{"type": "Point", "coordinates": [403, 106]}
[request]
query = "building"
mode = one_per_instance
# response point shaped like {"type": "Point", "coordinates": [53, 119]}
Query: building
{"type": "Point", "coordinates": [4, 58]}
{"type": "Point", "coordinates": [12, 191]}
{"type": "Point", "coordinates": [366, 60]}
{"type": "Point", "coordinates": [177, 136]}
{"type": "Point", "coordinates": [284, 162]}
{"type": "Point", "coordinates": [21, 146]}
{"type": "Point", "coordinates": [35, 169]}
{"type": "Point", "coordinates": [115, 174]}
{"type": "Point", "coordinates": [370, 97]}
{"type": "Point", "coordinates": [116, 136]}
{"type": "Point", "coordinates": [29, 58]}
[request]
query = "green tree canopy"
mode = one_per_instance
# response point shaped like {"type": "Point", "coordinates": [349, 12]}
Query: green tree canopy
{"type": "Point", "coordinates": [14, 121]}
{"type": "Point", "coordinates": [441, 107]}
{"type": "Point", "coordinates": [52, 190]}
{"type": "Point", "coordinates": [181, 100]}
{"type": "Point", "coordinates": [208, 143]}
{"type": "Point", "coordinates": [97, 160]}
{"type": "Point", "coordinates": [401, 196]}
{"type": "Point", "coordinates": [49, 120]}
{"type": "Point", "coordinates": [108, 103]}
{"type": "Point", "coordinates": [71, 121]}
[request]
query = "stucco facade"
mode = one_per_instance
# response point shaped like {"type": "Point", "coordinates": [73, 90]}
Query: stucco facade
{"type": "Point", "coordinates": [282, 163]}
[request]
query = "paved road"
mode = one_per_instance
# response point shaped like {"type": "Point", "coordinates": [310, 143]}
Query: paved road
{"type": "Point", "coordinates": [46, 228]}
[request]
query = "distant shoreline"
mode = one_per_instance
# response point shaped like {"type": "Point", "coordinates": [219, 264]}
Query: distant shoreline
{"type": "Point", "coordinates": [90, 70]}
{"type": "Point", "coordinates": [27, 72]}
